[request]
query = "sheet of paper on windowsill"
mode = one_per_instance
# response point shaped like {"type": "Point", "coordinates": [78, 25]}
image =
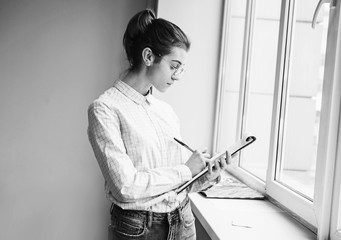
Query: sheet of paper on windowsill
{"type": "Point", "coordinates": [230, 187]}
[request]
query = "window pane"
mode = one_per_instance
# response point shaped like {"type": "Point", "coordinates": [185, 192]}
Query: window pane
{"type": "Point", "coordinates": [260, 86]}
{"type": "Point", "coordinates": [301, 115]}
{"type": "Point", "coordinates": [232, 74]}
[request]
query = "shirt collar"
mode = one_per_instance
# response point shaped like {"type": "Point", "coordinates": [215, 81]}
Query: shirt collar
{"type": "Point", "coordinates": [132, 94]}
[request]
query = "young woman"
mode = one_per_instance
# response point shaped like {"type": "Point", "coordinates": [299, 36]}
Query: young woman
{"type": "Point", "coordinates": [132, 135]}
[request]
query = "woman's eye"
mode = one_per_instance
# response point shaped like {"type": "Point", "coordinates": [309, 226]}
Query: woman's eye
{"type": "Point", "coordinates": [174, 67]}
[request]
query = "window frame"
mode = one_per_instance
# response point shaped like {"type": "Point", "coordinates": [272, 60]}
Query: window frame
{"type": "Point", "coordinates": [335, 228]}
{"type": "Point", "coordinates": [294, 202]}
{"type": "Point", "coordinates": [320, 215]}
{"type": "Point", "coordinates": [335, 212]}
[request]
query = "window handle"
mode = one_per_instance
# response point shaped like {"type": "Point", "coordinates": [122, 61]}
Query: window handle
{"type": "Point", "coordinates": [317, 10]}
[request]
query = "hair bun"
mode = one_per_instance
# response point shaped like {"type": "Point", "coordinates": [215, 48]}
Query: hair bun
{"type": "Point", "coordinates": [136, 27]}
{"type": "Point", "coordinates": [145, 30]}
{"type": "Point", "coordinates": [139, 23]}
{"type": "Point", "coordinates": [145, 19]}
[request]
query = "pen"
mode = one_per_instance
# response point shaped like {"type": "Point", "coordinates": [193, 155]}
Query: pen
{"type": "Point", "coordinates": [183, 144]}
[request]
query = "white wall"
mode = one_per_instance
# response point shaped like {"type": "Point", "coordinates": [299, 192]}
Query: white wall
{"type": "Point", "coordinates": [55, 58]}
{"type": "Point", "coordinates": [194, 96]}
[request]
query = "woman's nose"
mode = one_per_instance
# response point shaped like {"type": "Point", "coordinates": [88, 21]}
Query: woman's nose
{"type": "Point", "coordinates": [175, 78]}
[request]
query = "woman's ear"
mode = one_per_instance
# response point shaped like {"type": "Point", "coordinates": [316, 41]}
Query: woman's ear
{"type": "Point", "coordinates": [148, 56]}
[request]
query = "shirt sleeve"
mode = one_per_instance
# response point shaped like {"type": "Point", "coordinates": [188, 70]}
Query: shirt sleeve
{"type": "Point", "coordinates": [203, 184]}
{"type": "Point", "coordinates": [124, 181]}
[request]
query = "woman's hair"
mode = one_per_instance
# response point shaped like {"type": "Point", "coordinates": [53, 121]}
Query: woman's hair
{"type": "Point", "coordinates": [145, 30]}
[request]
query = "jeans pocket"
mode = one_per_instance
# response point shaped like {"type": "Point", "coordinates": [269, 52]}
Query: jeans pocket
{"type": "Point", "coordinates": [127, 227]}
{"type": "Point", "coordinates": [188, 217]}
{"type": "Point", "coordinates": [187, 231]}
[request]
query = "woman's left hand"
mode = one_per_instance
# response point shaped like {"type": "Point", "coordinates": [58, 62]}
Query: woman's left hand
{"type": "Point", "coordinates": [215, 167]}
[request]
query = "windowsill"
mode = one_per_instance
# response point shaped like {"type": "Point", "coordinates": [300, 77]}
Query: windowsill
{"type": "Point", "coordinates": [246, 219]}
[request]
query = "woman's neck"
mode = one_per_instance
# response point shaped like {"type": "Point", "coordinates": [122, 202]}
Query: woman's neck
{"type": "Point", "coordinates": [137, 81]}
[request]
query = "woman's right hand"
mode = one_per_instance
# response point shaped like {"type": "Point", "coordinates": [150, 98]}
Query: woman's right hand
{"type": "Point", "coordinates": [197, 162]}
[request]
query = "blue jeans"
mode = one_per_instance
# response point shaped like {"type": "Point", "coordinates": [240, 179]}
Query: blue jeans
{"type": "Point", "coordinates": [133, 224]}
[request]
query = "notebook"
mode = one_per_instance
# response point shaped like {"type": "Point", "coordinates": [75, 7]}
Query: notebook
{"type": "Point", "coordinates": [234, 149]}
{"type": "Point", "coordinates": [231, 188]}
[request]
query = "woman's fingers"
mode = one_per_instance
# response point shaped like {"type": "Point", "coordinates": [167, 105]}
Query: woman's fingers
{"type": "Point", "coordinates": [228, 158]}
{"type": "Point", "coordinates": [223, 163]}
{"type": "Point", "coordinates": [210, 167]}
{"type": "Point", "coordinates": [214, 166]}
{"type": "Point", "coordinates": [217, 165]}
{"type": "Point", "coordinates": [205, 153]}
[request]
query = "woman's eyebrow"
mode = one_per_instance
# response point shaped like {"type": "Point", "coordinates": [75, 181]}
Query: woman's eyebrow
{"type": "Point", "coordinates": [177, 61]}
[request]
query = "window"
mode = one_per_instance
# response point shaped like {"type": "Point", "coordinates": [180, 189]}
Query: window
{"type": "Point", "coordinates": [251, 47]}
{"type": "Point", "coordinates": [280, 80]}
{"type": "Point", "coordinates": [301, 97]}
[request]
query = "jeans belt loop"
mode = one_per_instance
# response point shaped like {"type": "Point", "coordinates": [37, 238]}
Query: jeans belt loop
{"type": "Point", "coordinates": [150, 219]}
{"type": "Point", "coordinates": [180, 215]}
{"type": "Point", "coordinates": [111, 208]}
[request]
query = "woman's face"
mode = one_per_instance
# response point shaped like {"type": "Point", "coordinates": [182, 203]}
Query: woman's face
{"type": "Point", "coordinates": [169, 69]}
